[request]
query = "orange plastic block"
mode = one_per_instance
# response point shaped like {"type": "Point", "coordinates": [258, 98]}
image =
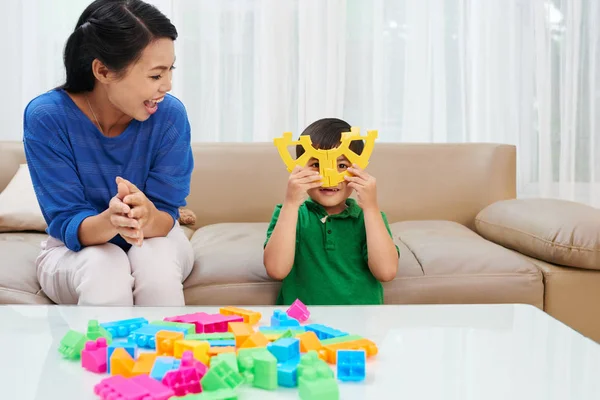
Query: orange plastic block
{"type": "Point", "coordinates": [241, 330]}
{"type": "Point", "coordinates": [329, 352]}
{"type": "Point", "coordinates": [250, 317]}
{"type": "Point", "coordinates": [257, 339]}
{"type": "Point", "coordinates": [165, 342]}
{"type": "Point", "coordinates": [144, 364]}
{"type": "Point", "coordinates": [121, 363]}
{"type": "Point", "coordinates": [199, 349]}
{"type": "Point", "coordinates": [214, 351]}
{"type": "Point", "coordinates": [309, 341]}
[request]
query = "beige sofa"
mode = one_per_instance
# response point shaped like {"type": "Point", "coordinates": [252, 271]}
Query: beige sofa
{"type": "Point", "coordinates": [447, 205]}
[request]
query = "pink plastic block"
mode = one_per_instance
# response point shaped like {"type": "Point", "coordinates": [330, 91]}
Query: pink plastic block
{"type": "Point", "coordinates": [157, 390]}
{"type": "Point", "coordinates": [93, 356]}
{"type": "Point", "coordinates": [183, 381]}
{"type": "Point", "coordinates": [118, 387]}
{"type": "Point", "coordinates": [207, 323]}
{"type": "Point", "coordinates": [298, 311]}
{"type": "Point", "coordinates": [188, 360]}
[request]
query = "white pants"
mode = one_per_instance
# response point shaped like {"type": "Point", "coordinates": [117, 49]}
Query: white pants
{"type": "Point", "coordinates": [150, 275]}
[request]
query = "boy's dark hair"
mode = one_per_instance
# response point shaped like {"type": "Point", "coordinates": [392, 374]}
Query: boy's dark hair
{"type": "Point", "coordinates": [326, 134]}
{"type": "Point", "coordinates": [115, 32]}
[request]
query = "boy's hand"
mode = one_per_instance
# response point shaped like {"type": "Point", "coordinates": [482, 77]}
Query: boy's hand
{"type": "Point", "coordinates": [300, 181]}
{"type": "Point", "coordinates": [365, 187]}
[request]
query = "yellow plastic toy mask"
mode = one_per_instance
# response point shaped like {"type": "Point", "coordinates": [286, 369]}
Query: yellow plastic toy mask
{"type": "Point", "coordinates": [327, 158]}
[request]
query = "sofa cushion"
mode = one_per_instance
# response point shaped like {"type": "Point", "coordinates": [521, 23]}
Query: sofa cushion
{"type": "Point", "coordinates": [19, 208]}
{"type": "Point", "coordinates": [460, 266]}
{"type": "Point", "coordinates": [18, 278]}
{"type": "Point", "coordinates": [557, 231]}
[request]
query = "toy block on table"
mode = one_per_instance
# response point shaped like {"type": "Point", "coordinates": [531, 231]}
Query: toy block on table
{"type": "Point", "coordinates": [93, 356]}
{"type": "Point", "coordinates": [281, 319]}
{"type": "Point", "coordinates": [188, 360]}
{"type": "Point", "coordinates": [329, 352]}
{"type": "Point", "coordinates": [122, 328]}
{"type": "Point", "coordinates": [229, 358]}
{"type": "Point", "coordinates": [121, 363]}
{"type": "Point", "coordinates": [199, 349]}
{"type": "Point", "coordinates": [157, 390]}
{"type": "Point", "coordinates": [165, 342]}
{"type": "Point", "coordinates": [287, 373]}
{"type": "Point", "coordinates": [162, 365]}
{"type": "Point", "coordinates": [340, 339]}
{"type": "Point", "coordinates": [221, 394]}
{"type": "Point", "coordinates": [315, 378]}
{"type": "Point", "coordinates": [324, 332]}
{"type": "Point", "coordinates": [72, 344]}
{"type": "Point", "coordinates": [183, 381]}
{"type": "Point", "coordinates": [145, 337]}
{"type": "Point", "coordinates": [209, 337]}
{"type": "Point", "coordinates": [129, 347]}
{"type": "Point", "coordinates": [265, 371]}
{"type": "Point", "coordinates": [241, 331]}
{"type": "Point", "coordinates": [250, 317]}
{"type": "Point", "coordinates": [298, 311]}
{"type": "Point", "coordinates": [120, 388]}
{"type": "Point", "coordinates": [207, 323]}
{"type": "Point", "coordinates": [309, 341]}
{"type": "Point", "coordinates": [257, 339]}
{"type": "Point", "coordinates": [95, 331]}
{"type": "Point", "coordinates": [189, 329]}
{"type": "Point", "coordinates": [285, 349]}
{"type": "Point", "coordinates": [144, 363]}
{"type": "Point", "coordinates": [221, 376]}
{"type": "Point", "coordinates": [351, 365]}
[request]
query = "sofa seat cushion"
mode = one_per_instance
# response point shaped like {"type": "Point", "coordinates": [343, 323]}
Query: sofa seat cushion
{"type": "Point", "coordinates": [18, 278]}
{"type": "Point", "coordinates": [460, 266]}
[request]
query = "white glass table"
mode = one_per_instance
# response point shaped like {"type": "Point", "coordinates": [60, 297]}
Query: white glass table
{"type": "Point", "coordinates": [425, 352]}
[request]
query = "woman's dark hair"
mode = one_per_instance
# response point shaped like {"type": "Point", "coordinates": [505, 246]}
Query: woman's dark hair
{"type": "Point", "coordinates": [115, 32]}
{"type": "Point", "coordinates": [326, 134]}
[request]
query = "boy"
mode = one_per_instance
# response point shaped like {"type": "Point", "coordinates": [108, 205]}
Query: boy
{"type": "Point", "coordinates": [330, 249]}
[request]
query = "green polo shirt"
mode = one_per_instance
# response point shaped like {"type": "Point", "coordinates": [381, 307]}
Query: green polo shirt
{"type": "Point", "coordinates": [331, 259]}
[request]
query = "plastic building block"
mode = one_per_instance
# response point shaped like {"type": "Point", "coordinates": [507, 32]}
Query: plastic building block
{"type": "Point", "coordinates": [315, 379]}
{"type": "Point", "coordinates": [183, 381]}
{"type": "Point", "coordinates": [286, 373]}
{"type": "Point", "coordinates": [157, 390]}
{"type": "Point", "coordinates": [324, 332]}
{"type": "Point", "coordinates": [129, 347]}
{"type": "Point", "coordinates": [309, 341]}
{"type": "Point", "coordinates": [327, 158]}
{"type": "Point", "coordinates": [265, 371]}
{"type": "Point", "coordinates": [229, 358]}
{"type": "Point", "coordinates": [199, 349]}
{"type": "Point", "coordinates": [121, 363]}
{"type": "Point", "coordinates": [120, 388]}
{"type": "Point", "coordinates": [188, 360]}
{"type": "Point", "coordinates": [222, 343]}
{"type": "Point", "coordinates": [93, 356]}
{"type": "Point", "coordinates": [281, 319]}
{"type": "Point", "coordinates": [241, 330]}
{"type": "Point", "coordinates": [207, 323]}
{"type": "Point", "coordinates": [298, 311]}
{"type": "Point", "coordinates": [145, 336]}
{"type": "Point", "coordinates": [162, 365]}
{"type": "Point", "coordinates": [213, 351]}
{"type": "Point", "coordinates": [329, 352]}
{"type": "Point", "coordinates": [221, 376]}
{"type": "Point", "coordinates": [285, 349]}
{"type": "Point", "coordinates": [340, 339]}
{"type": "Point", "coordinates": [313, 367]}
{"type": "Point", "coordinates": [257, 339]}
{"type": "Point", "coordinates": [209, 337]}
{"type": "Point", "coordinates": [351, 365]}
{"type": "Point", "coordinates": [165, 342]}
{"type": "Point", "coordinates": [144, 363]}
{"type": "Point", "coordinates": [95, 331]}
{"type": "Point", "coordinates": [122, 328]}
{"type": "Point", "coordinates": [72, 344]}
{"type": "Point", "coordinates": [189, 329]}
{"type": "Point", "coordinates": [250, 317]}
{"type": "Point", "coordinates": [221, 394]}
{"type": "Point", "coordinates": [245, 359]}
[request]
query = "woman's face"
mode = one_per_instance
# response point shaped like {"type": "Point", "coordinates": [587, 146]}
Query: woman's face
{"type": "Point", "coordinates": [140, 90]}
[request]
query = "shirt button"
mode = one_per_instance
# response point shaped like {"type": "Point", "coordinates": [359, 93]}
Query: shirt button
{"type": "Point", "coordinates": [329, 231]}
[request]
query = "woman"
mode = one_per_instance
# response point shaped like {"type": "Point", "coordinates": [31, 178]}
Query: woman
{"type": "Point", "coordinates": [110, 160]}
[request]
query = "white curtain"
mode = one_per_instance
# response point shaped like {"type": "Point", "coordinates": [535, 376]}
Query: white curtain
{"type": "Point", "coordinates": [523, 72]}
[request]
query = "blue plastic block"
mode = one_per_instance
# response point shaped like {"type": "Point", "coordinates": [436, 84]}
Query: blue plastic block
{"type": "Point", "coordinates": [129, 347]}
{"type": "Point", "coordinates": [281, 319]}
{"type": "Point", "coordinates": [145, 336]}
{"type": "Point", "coordinates": [281, 329]}
{"type": "Point", "coordinates": [287, 373]}
{"type": "Point", "coordinates": [222, 343]}
{"type": "Point", "coordinates": [162, 365]}
{"type": "Point", "coordinates": [285, 349]}
{"type": "Point", "coordinates": [122, 328]}
{"type": "Point", "coordinates": [351, 365]}
{"type": "Point", "coordinates": [324, 332]}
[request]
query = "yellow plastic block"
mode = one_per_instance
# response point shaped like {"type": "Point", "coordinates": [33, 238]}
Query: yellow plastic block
{"type": "Point", "coordinates": [271, 337]}
{"type": "Point", "coordinates": [329, 352]}
{"type": "Point", "coordinates": [309, 341]}
{"type": "Point", "coordinates": [215, 351]}
{"type": "Point", "coordinates": [257, 339]}
{"type": "Point", "coordinates": [195, 346]}
{"type": "Point", "coordinates": [327, 158]}
{"type": "Point", "coordinates": [143, 365]}
{"type": "Point", "coordinates": [165, 342]}
{"type": "Point", "coordinates": [241, 330]}
{"type": "Point", "coordinates": [121, 363]}
{"type": "Point", "coordinates": [250, 317]}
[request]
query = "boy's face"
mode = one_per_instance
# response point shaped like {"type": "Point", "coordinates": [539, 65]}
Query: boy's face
{"type": "Point", "coordinates": [331, 197]}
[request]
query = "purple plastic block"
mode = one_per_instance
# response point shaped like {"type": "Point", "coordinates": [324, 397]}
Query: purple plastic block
{"type": "Point", "coordinates": [118, 387]}
{"type": "Point", "coordinates": [157, 390]}
{"type": "Point", "coordinates": [183, 381]}
{"type": "Point", "coordinates": [93, 356]}
{"type": "Point", "coordinates": [298, 311]}
{"type": "Point", "coordinates": [207, 323]}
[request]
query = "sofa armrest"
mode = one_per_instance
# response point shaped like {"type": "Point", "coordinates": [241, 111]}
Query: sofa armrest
{"type": "Point", "coordinates": [556, 231]}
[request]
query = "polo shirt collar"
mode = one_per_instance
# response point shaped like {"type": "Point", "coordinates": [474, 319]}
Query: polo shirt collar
{"type": "Point", "coordinates": [352, 210]}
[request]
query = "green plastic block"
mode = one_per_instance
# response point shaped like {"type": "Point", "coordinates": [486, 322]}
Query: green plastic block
{"type": "Point", "coordinates": [95, 331]}
{"type": "Point", "coordinates": [320, 389]}
{"type": "Point", "coordinates": [312, 367]}
{"type": "Point", "coordinates": [191, 328]}
{"type": "Point", "coordinates": [72, 344]}
{"type": "Point", "coordinates": [210, 336]}
{"type": "Point", "coordinates": [221, 394]}
{"type": "Point", "coordinates": [221, 376]}
{"type": "Point", "coordinates": [285, 331]}
{"type": "Point", "coordinates": [229, 358]}
{"type": "Point", "coordinates": [287, 334]}
{"type": "Point", "coordinates": [265, 371]}
{"type": "Point", "coordinates": [246, 361]}
{"type": "Point", "coordinates": [340, 339]}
